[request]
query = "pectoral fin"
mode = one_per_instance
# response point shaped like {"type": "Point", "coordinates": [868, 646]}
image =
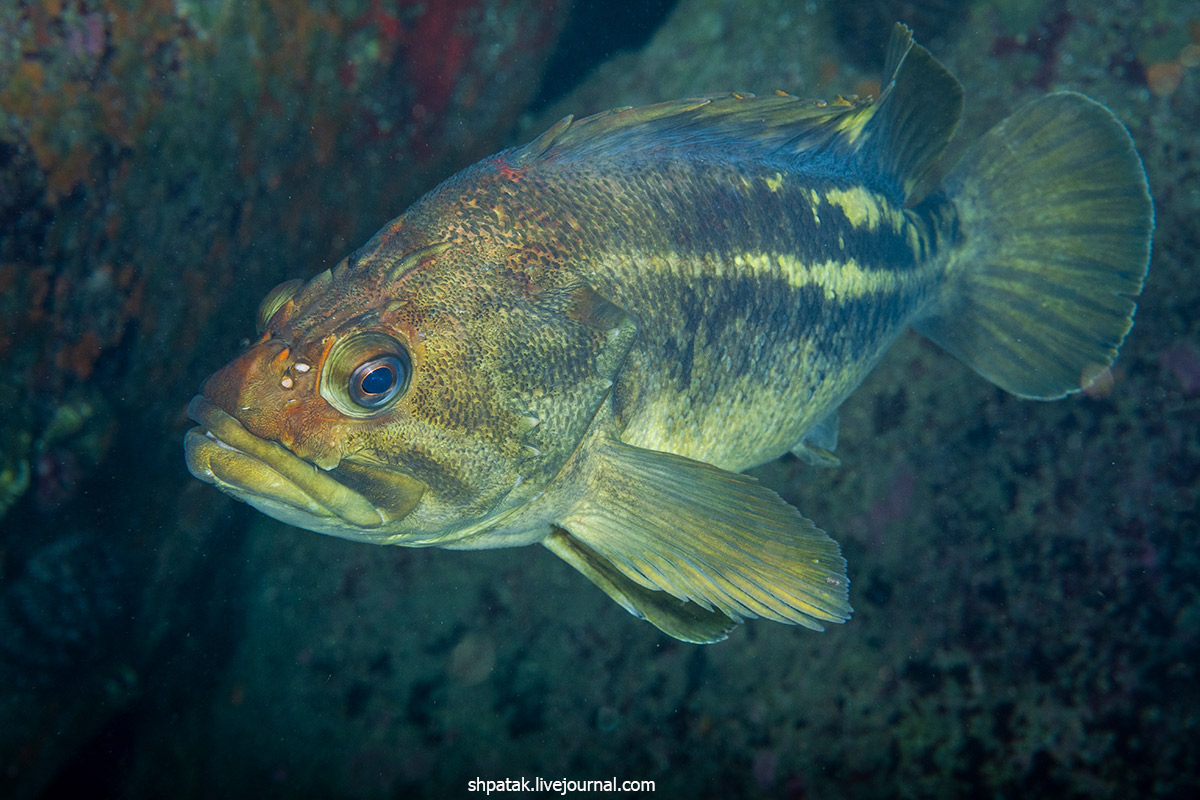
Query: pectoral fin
{"type": "Point", "coordinates": [665, 523]}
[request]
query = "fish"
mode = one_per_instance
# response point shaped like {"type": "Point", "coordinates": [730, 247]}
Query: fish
{"type": "Point", "coordinates": [584, 342]}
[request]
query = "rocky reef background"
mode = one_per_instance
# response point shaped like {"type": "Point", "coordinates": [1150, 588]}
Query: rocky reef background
{"type": "Point", "coordinates": [1024, 574]}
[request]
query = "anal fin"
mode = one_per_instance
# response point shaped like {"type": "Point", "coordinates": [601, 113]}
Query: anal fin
{"type": "Point", "coordinates": [817, 446]}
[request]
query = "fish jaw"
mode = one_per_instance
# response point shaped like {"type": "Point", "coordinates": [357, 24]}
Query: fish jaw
{"type": "Point", "coordinates": [269, 477]}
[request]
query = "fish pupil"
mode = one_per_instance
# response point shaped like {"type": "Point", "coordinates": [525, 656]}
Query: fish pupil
{"type": "Point", "coordinates": [379, 380]}
{"type": "Point", "coordinates": [376, 381]}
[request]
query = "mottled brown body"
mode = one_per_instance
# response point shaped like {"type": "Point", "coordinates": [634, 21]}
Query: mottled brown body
{"type": "Point", "coordinates": [736, 356]}
{"type": "Point", "coordinates": [583, 341]}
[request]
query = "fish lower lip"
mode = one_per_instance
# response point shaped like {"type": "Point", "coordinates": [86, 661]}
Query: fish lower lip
{"type": "Point", "coordinates": [224, 453]}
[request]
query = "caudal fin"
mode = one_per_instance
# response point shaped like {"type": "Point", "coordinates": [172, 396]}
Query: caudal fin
{"type": "Point", "coordinates": [1056, 221]}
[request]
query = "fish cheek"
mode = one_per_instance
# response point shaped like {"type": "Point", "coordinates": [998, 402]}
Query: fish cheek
{"type": "Point", "coordinates": [451, 439]}
{"type": "Point", "coordinates": [504, 390]}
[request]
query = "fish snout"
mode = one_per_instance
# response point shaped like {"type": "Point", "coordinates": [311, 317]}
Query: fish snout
{"type": "Point", "coordinates": [265, 391]}
{"type": "Point", "coordinates": [267, 437]}
{"type": "Point", "coordinates": [249, 387]}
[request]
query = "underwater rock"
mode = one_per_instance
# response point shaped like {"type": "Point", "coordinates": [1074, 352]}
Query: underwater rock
{"type": "Point", "coordinates": [66, 609]}
{"type": "Point", "coordinates": [158, 158]}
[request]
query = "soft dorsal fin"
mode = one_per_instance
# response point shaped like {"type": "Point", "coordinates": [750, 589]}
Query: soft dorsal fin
{"type": "Point", "coordinates": [919, 106]}
{"type": "Point", "coordinates": [891, 142]}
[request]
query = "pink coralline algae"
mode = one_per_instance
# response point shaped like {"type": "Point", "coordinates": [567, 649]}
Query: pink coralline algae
{"type": "Point", "coordinates": [1182, 362]}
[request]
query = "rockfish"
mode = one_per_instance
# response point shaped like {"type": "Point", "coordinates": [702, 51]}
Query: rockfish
{"type": "Point", "coordinates": [582, 342]}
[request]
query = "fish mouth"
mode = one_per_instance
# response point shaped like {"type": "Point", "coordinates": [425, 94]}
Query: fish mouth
{"type": "Point", "coordinates": [279, 483]}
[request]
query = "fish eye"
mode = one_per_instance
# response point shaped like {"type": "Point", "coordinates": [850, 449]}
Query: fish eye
{"type": "Point", "coordinates": [365, 373]}
{"type": "Point", "coordinates": [376, 381]}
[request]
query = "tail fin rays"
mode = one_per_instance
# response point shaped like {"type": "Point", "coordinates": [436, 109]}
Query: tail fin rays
{"type": "Point", "coordinates": [1056, 221]}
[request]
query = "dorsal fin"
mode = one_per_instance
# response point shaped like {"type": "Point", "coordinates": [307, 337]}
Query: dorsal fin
{"type": "Point", "coordinates": [918, 109]}
{"type": "Point", "coordinates": [891, 142]}
{"type": "Point", "coordinates": [735, 124]}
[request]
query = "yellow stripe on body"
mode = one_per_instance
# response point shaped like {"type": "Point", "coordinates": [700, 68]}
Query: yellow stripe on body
{"type": "Point", "coordinates": [865, 209]}
{"type": "Point", "coordinates": [843, 279]}
{"type": "Point", "coordinates": [740, 414]}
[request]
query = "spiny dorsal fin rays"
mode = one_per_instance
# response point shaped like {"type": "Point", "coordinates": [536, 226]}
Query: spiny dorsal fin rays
{"type": "Point", "coordinates": [780, 124]}
{"type": "Point", "coordinates": [893, 142]}
{"type": "Point", "coordinates": [538, 147]}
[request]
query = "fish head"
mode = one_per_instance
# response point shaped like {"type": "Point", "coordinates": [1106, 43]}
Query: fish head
{"type": "Point", "coordinates": [412, 398]}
